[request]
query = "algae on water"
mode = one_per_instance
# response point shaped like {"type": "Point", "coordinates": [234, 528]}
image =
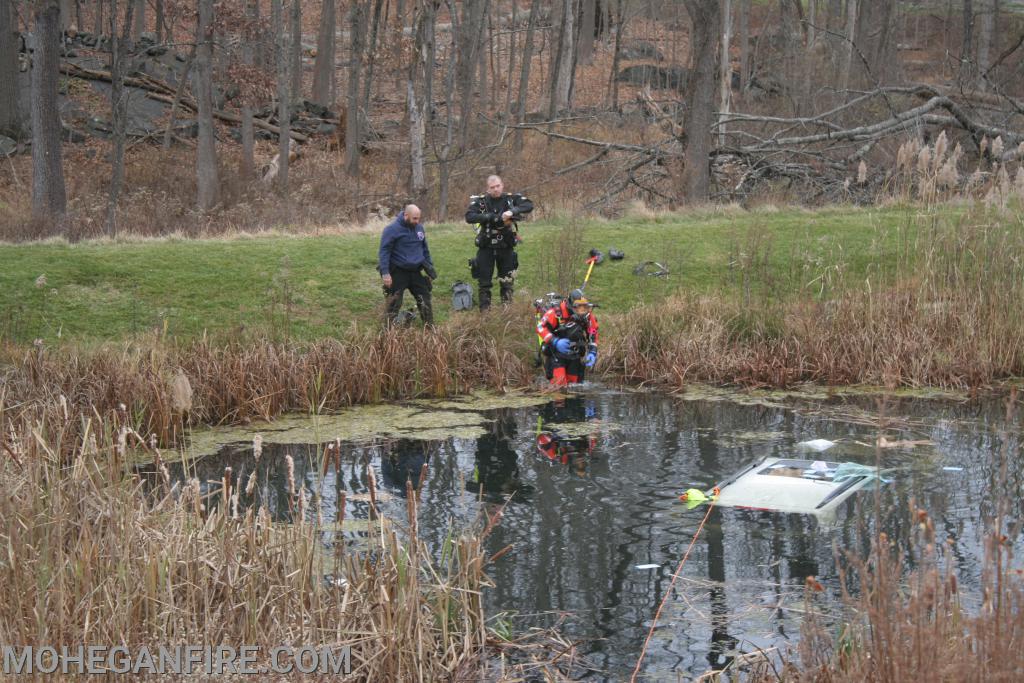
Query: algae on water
{"type": "Point", "coordinates": [357, 424]}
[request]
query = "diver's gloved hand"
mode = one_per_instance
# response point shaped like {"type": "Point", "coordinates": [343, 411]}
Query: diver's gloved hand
{"type": "Point", "coordinates": [563, 346]}
{"type": "Point", "coordinates": [591, 359]}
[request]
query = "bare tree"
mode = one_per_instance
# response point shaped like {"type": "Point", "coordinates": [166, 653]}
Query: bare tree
{"type": "Point", "coordinates": [323, 69]}
{"type": "Point", "coordinates": [967, 46]}
{"type": "Point", "coordinates": [10, 119]}
{"type": "Point", "coordinates": [562, 66]}
{"type": "Point", "coordinates": [470, 44]}
{"type": "Point", "coordinates": [588, 29]}
{"type": "Point", "coordinates": [140, 17]}
{"type": "Point", "coordinates": [296, 50]}
{"type": "Point", "coordinates": [744, 40]}
{"type": "Point", "coordinates": [49, 200]}
{"type": "Point", "coordinates": [161, 29]}
{"type": "Point", "coordinates": [524, 72]}
{"type": "Point", "coordinates": [277, 21]}
{"type": "Point", "coordinates": [420, 68]}
{"type": "Point", "coordinates": [118, 108]}
{"type": "Point", "coordinates": [97, 19]}
{"type": "Point", "coordinates": [725, 80]}
{"type": "Point", "coordinates": [987, 10]}
{"type": "Point", "coordinates": [706, 23]}
{"type": "Point", "coordinates": [247, 165]}
{"type": "Point", "coordinates": [371, 57]}
{"type": "Point", "coordinates": [849, 47]}
{"type": "Point", "coordinates": [357, 23]}
{"type": "Point", "coordinates": [206, 150]}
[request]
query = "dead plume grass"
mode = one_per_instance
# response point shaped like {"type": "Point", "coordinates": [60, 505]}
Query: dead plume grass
{"type": "Point", "coordinates": [155, 388]}
{"type": "Point", "coordinates": [93, 555]}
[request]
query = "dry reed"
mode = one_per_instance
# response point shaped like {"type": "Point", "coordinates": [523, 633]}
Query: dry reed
{"type": "Point", "coordinates": [93, 555]}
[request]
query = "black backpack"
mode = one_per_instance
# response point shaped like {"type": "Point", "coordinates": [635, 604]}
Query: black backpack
{"type": "Point", "coordinates": [462, 296]}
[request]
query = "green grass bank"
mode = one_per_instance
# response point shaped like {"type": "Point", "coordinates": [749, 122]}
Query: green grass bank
{"type": "Point", "coordinates": [307, 287]}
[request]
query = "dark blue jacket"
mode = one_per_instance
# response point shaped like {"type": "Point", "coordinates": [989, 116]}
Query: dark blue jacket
{"type": "Point", "coordinates": [403, 246]}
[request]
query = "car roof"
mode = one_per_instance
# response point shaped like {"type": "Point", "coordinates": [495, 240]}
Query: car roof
{"type": "Point", "coordinates": [791, 485]}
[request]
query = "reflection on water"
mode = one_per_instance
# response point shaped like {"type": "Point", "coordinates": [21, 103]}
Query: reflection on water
{"type": "Point", "coordinates": [589, 485]}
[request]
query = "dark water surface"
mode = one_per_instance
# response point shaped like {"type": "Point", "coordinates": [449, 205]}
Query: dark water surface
{"type": "Point", "coordinates": [590, 485]}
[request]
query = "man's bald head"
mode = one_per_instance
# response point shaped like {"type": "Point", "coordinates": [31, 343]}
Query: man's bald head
{"type": "Point", "coordinates": [494, 186]}
{"type": "Point", "coordinates": [412, 214]}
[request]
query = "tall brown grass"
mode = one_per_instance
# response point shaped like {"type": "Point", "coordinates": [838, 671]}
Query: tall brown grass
{"type": "Point", "coordinates": [93, 555]}
{"type": "Point", "coordinates": [156, 388]}
{"type": "Point", "coordinates": [944, 311]}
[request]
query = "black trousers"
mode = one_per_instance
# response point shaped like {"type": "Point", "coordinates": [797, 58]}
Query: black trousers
{"type": "Point", "coordinates": [418, 284]}
{"type": "Point", "coordinates": [507, 261]}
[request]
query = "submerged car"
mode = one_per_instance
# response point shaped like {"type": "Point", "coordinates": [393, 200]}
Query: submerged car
{"type": "Point", "coordinates": [813, 487]}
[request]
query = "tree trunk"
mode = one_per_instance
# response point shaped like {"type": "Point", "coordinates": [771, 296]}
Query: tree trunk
{"type": "Point", "coordinates": [561, 67]}
{"type": "Point", "coordinates": [725, 79]}
{"type": "Point", "coordinates": [140, 18]}
{"type": "Point", "coordinates": [524, 72]}
{"type": "Point", "coordinates": [585, 51]}
{"type": "Point", "coordinates": [967, 47]}
{"type": "Point", "coordinates": [97, 19]}
{"type": "Point", "coordinates": [371, 57]}
{"type": "Point", "coordinates": [987, 9]}
{"type": "Point", "coordinates": [744, 38]}
{"type": "Point", "coordinates": [206, 151]}
{"type": "Point", "coordinates": [118, 108]}
{"type": "Point", "coordinates": [706, 22]}
{"type": "Point", "coordinates": [323, 68]}
{"type": "Point", "coordinates": [65, 15]}
{"type": "Point", "coordinates": [49, 201]}
{"type": "Point", "coordinates": [10, 119]}
{"type": "Point", "coordinates": [296, 50]}
{"type": "Point", "coordinates": [357, 22]}
{"type": "Point", "coordinates": [848, 48]}
{"type": "Point", "coordinates": [250, 37]}
{"type": "Point", "coordinates": [284, 122]}
{"type": "Point", "coordinates": [161, 33]}
{"type": "Point", "coordinates": [470, 44]}
{"type": "Point", "coordinates": [613, 81]}
{"type": "Point", "coordinates": [419, 67]}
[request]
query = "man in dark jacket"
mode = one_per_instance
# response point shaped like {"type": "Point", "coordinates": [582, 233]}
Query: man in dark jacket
{"type": "Point", "coordinates": [496, 214]}
{"type": "Point", "coordinates": [403, 254]}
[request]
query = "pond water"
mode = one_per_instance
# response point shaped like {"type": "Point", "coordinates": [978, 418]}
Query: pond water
{"type": "Point", "coordinates": [590, 484]}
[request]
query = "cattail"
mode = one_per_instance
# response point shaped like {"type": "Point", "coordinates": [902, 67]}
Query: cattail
{"type": "Point", "coordinates": [122, 441]}
{"type": "Point", "coordinates": [226, 487]}
{"type": "Point", "coordinates": [251, 486]}
{"type": "Point", "coordinates": [303, 503]}
{"type": "Point", "coordinates": [290, 468]}
{"type": "Point", "coordinates": [1019, 182]}
{"type": "Point", "coordinates": [862, 173]}
{"type": "Point", "coordinates": [165, 473]}
{"type": "Point", "coordinates": [372, 485]}
{"type": "Point", "coordinates": [983, 145]}
{"type": "Point", "coordinates": [234, 505]}
{"type": "Point", "coordinates": [257, 447]}
{"type": "Point", "coordinates": [41, 281]}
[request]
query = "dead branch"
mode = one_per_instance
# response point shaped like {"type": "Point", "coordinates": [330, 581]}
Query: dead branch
{"type": "Point", "coordinates": [229, 117]}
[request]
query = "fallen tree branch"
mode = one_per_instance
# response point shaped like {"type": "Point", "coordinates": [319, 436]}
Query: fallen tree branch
{"type": "Point", "coordinates": [230, 118]}
{"type": "Point", "coordinates": [148, 83]}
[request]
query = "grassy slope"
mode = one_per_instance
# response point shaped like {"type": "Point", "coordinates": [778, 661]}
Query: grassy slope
{"type": "Point", "coordinates": [307, 287]}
